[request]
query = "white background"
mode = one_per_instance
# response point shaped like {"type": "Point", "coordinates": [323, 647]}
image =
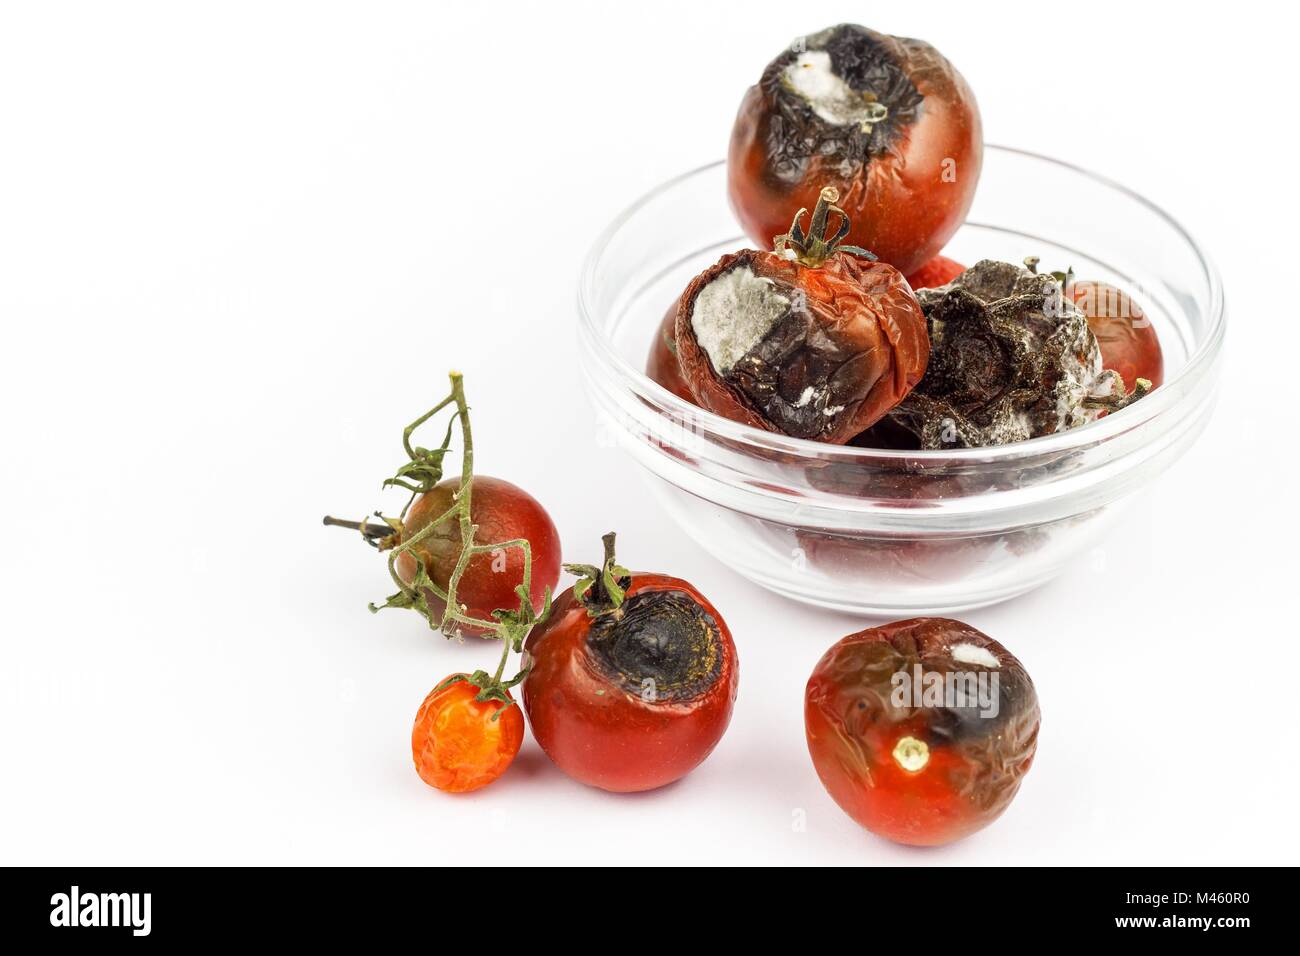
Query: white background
{"type": "Point", "coordinates": [241, 244]}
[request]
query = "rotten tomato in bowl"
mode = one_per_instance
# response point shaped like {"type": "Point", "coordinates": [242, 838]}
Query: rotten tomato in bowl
{"type": "Point", "coordinates": [1127, 339]}
{"type": "Point", "coordinates": [1012, 357]}
{"type": "Point", "coordinates": [921, 730]}
{"type": "Point", "coordinates": [813, 340]}
{"type": "Point", "coordinates": [886, 120]}
{"type": "Point", "coordinates": [631, 679]}
{"type": "Point", "coordinates": [661, 364]}
{"type": "Point", "coordinates": [938, 271]}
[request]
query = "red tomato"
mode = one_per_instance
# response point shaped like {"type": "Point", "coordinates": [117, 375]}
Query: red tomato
{"type": "Point", "coordinates": [502, 512]}
{"type": "Point", "coordinates": [938, 271]}
{"type": "Point", "coordinates": [661, 364]}
{"type": "Point", "coordinates": [887, 120]}
{"type": "Point", "coordinates": [457, 744]}
{"type": "Point", "coordinates": [818, 345]}
{"type": "Point", "coordinates": [635, 698]}
{"type": "Point", "coordinates": [1127, 338]}
{"type": "Point", "coordinates": [921, 730]}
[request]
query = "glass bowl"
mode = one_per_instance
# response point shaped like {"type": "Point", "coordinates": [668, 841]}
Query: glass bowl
{"type": "Point", "coordinates": [903, 532]}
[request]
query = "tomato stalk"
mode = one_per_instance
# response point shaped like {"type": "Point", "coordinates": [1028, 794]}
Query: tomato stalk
{"type": "Point", "coordinates": [815, 246]}
{"type": "Point", "coordinates": [419, 475]}
{"type": "Point", "coordinates": [601, 590]}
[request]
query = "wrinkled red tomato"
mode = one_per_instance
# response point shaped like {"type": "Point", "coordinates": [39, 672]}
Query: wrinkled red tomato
{"type": "Point", "coordinates": [921, 730]}
{"type": "Point", "coordinates": [503, 512]}
{"type": "Point", "coordinates": [938, 271]}
{"type": "Point", "coordinates": [630, 693]}
{"type": "Point", "coordinates": [661, 364]}
{"type": "Point", "coordinates": [886, 120]}
{"type": "Point", "coordinates": [812, 340]}
{"type": "Point", "coordinates": [1128, 341]}
{"type": "Point", "coordinates": [460, 744]}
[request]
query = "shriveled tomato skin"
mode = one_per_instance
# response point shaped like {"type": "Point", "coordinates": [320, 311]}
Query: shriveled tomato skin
{"type": "Point", "coordinates": [456, 744]}
{"type": "Point", "coordinates": [865, 308]}
{"type": "Point", "coordinates": [1127, 339]}
{"type": "Point", "coordinates": [906, 203]}
{"type": "Point", "coordinates": [503, 512]}
{"type": "Point", "coordinates": [938, 271]}
{"type": "Point", "coordinates": [602, 735]}
{"type": "Point", "coordinates": [855, 727]}
{"type": "Point", "coordinates": [661, 364]}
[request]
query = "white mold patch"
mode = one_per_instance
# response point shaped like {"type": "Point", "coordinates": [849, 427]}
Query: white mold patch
{"type": "Point", "coordinates": [733, 313]}
{"type": "Point", "coordinates": [974, 654]}
{"type": "Point", "coordinates": [812, 77]}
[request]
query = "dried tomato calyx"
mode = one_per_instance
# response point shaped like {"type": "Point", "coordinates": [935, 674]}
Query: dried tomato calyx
{"type": "Point", "coordinates": [1066, 278]}
{"type": "Point", "coordinates": [488, 687]}
{"type": "Point", "coordinates": [601, 590]}
{"type": "Point", "coordinates": [662, 646]}
{"type": "Point", "coordinates": [815, 246]}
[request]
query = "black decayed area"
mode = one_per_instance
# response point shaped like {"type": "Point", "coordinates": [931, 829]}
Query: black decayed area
{"type": "Point", "coordinates": [660, 636]}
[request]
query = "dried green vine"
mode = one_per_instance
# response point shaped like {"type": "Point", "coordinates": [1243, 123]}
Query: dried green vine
{"type": "Point", "coordinates": [418, 475]}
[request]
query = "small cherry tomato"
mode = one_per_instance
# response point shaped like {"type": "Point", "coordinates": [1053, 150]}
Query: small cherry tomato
{"type": "Point", "coordinates": [886, 120]}
{"type": "Point", "coordinates": [661, 364]}
{"type": "Point", "coordinates": [812, 340]}
{"type": "Point", "coordinates": [1127, 338]}
{"type": "Point", "coordinates": [461, 744]}
{"type": "Point", "coordinates": [921, 730]}
{"type": "Point", "coordinates": [632, 680]}
{"type": "Point", "coordinates": [503, 512]}
{"type": "Point", "coordinates": [938, 271]}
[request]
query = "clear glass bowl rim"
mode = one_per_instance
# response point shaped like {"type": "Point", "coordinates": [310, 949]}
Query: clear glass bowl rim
{"type": "Point", "coordinates": [1151, 407]}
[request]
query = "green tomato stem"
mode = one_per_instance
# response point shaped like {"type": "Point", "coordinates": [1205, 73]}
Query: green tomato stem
{"type": "Point", "coordinates": [418, 476]}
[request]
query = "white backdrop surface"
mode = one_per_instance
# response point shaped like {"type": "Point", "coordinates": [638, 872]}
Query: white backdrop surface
{"type": "Point", "coordinates": [241, 244]}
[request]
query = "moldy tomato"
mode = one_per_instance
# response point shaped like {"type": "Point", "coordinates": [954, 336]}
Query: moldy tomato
{"type": "Point", "coordinates": [1011, 358]}
{"type": "Point", "coordinates": [632, 678]}
{"type": "Point", "coordinates": [921, 730]}
{"type": "Point", "coordinates": [938, 271]}
{"type": "Point", "coordinates": [503, 512]}
{"type": "Point", "coordinates": [813, 340]}
{"type": "Point", "coordinates": [1126, 337]}
{"type": "Point", "coordinates": [460, 743]}
{"type": "Point", "coordinates": [887, 120]}
{"type": "Point", "coordinates": [661, 364]}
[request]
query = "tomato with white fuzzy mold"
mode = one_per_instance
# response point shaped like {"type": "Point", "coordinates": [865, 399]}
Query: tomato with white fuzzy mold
{"type": "Point", "coordinates": [812, 340]}
{"type": "Point", "coordinates": [886, 120]}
